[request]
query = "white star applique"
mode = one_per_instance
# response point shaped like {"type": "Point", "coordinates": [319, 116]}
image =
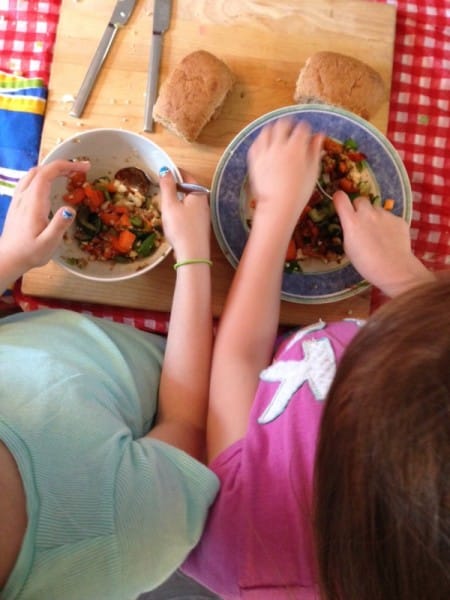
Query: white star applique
{"type": "Point", "coordinates": [317, 368]}
{"type": "Point", "coordinates": [358, 322]}
{"type": "Point", "coordinates": [304, 332]}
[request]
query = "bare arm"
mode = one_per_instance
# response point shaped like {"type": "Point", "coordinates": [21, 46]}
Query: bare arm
{"type": "Point", "coordinates": [283, 167]}
{"type": "Point", "coordinates": [183, 393]}
{"type": "Point", "coordinates": [29, 239]}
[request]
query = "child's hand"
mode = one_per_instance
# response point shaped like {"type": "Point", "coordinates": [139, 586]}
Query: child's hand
{"type": "Point", "coordinates": [283, 166]}
{"type": "Point", "coordinates": [186, 222]}
{"type": "Point", "coordinates": [378, 245]}
{"type": "Point", "coordinates": [29, 237]}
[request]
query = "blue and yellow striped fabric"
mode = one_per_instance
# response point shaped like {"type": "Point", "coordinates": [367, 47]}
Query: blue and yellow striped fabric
{"type": "Point", "coordinates": [22, 109]}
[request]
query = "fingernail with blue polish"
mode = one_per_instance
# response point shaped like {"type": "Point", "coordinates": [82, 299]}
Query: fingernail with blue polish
{"type": "Point", "coordinates": [67, 214]}
{"type": "Point", "coordinates": [163, 171]}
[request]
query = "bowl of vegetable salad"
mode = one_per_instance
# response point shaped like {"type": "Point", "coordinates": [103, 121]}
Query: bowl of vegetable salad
{"type": "Point", "coordinates": [117, 232]}
{"type": "Point", "coordinates": [356, 158]}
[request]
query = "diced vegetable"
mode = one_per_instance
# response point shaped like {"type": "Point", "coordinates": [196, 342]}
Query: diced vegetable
{"type": "Point", "coordinates": [318, 233]}
{"type": "Point", "coordinates": [350, 144]}
{"type": "Point", "coordinates": [76, 179]}
{"type": "Point", "coordinates": [146, 247]}
{"type": "Point", "coordinates": [136, 221]}
{"type": "Point", "coordinates": [123, 243]}
{"type": "Point", "coordinates": [113, 222]}
{"type": "Point", "coordinates": [88, 221]}
{"type": "Point", "coordinates": [124, 220]}
{"type": "Point", "coordinates": [376, 201]}
{"type": "Point", "coordinates": [95, 197]}
{"type": "Point", "coordinates": [291, 253]}
{"type": "Point", "coordinates": [75, 197]}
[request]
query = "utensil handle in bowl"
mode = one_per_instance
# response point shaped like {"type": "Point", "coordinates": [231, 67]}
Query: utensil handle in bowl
{"type": "Point", "coordinates": [192, 188]}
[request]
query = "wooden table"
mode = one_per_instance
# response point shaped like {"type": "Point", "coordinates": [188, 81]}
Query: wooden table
{"type": "Point", "coordinates": [264, 43]}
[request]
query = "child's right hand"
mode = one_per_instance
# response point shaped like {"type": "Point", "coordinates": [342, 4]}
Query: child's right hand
{"type": "Point", "coordinates": [283, 164]}
{"type": "Point", "coordinates": [378, 245]}
{"type": "Point", "coordinates": [186, 222]}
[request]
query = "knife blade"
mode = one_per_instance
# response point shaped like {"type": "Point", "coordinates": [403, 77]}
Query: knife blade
{"type": "Point", "coordinates": [121, 14]}
{"type": "Point", "coordinates": [161, 21]}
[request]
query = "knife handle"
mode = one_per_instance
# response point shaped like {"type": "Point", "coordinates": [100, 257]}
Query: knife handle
{"type": "Point", "coordinates": [152, 81]}
{"type": "Point", "coordinates": [93, 71]}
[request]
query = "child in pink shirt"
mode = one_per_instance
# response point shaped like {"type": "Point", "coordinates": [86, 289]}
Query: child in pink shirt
{"type": "Point", "coordinates": [258, 541]}
{"type": "Point", "coordinates": [269, 536]}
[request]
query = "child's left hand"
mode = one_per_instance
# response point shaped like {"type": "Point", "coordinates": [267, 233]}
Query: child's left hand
{"type": "Point", "coordinates": [29, 237]}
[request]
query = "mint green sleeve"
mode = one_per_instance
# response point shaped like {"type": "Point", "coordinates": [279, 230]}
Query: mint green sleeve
{"type": "Point", "coordinates": [162, 497]}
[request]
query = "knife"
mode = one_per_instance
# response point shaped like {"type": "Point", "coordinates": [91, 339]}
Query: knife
{"type": "Point", "coordinates": [161, 20]}
{"type": "Point", "coordinates": [119, 18]}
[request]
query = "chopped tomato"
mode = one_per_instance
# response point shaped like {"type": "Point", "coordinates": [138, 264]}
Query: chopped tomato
{"type": "Point", "coordinates": [108, 252]}
{"type": "Point", "coordinates": [291, 253]}
{"type": "Point", "coordinates": [95, 198]}
{"type": "Point", "coordinates": [76, 196]}
{"type": "Point", "coordinates": [348, 186]}
{"type": "Point", "coordinates": [332, 146]}
{"type": "Point", "coordinates": [111, 187]}
{"type": "Point", "coordinates": [76, 179]}
{"type": "Point", "coordinates": [124, 221]}
{"type": "Point", "coordinates": [123, 243]}
{"type": "Point", "coordinates": [120, 209]}
{"type": "Point", "coordinates": [356, 156]}
{"type": "Point", "coordinates": [109, 218]}
{"type": "Point", "coordinates": [343, 167]}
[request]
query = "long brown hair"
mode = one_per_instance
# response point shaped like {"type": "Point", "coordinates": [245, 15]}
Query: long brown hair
{"type": "Point", "coordinates": [382, 478]}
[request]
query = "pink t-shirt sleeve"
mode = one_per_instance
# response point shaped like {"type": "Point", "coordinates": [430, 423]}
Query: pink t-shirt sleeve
{"type": "Point", "coordinates": [258, 538]}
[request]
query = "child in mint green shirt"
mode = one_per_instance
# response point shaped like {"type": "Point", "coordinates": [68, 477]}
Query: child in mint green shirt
{"type": "Point", "coordinates": [105, 423]}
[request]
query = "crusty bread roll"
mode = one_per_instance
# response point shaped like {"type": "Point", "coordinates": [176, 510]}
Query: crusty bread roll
{"type": "Point", "coordinates": [333, 78]}
{"type": "Point", "coordinates": [193, 94]}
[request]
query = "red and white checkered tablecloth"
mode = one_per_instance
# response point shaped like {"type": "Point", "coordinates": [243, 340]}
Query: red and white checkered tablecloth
{"type": "Point", "coordinates": [419, 120]}
{"type": "Point", "coordinates": [27, 36]}
{"type": "Point", "coordinates": [419, 123]}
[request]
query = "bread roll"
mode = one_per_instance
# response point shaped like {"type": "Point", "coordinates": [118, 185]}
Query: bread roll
{"type": "Point", "coordinates": [341, 80]}
{"type": "Point", "coordinates": [193, 94]}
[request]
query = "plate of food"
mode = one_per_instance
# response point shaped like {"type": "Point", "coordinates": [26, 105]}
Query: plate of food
{"type": "Point", "coordinates": [117, 232]}
{"type": "Point", "coordinates": [356, 158]}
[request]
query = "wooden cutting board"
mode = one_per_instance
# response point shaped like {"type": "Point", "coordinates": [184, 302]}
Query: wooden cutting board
{"type": "Point", "coordinates": [264, 42]}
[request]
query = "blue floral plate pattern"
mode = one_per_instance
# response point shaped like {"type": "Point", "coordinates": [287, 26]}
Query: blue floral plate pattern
{"type": "Point", "coordinates": [328, 283]}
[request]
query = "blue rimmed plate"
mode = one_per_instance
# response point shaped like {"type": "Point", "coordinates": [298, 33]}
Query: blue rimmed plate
{"type": "Point", "coordinates": [318, 282]}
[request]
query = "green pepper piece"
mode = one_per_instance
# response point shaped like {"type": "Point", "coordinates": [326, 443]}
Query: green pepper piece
{"type": "Point", "coordinates": [350, 144]}
{"type": "Point", "coordinates": [88, 221]}
{"type": "Point", "coordinates": [334, 229]}
{"type": "Point", "coordinates": [147, 245]}
{"type": "Point", "coordinates": [136, 221]}
{"type": "Point", "coordinates": [376, 201]}
{"type": "Point", "coordinates": [122, 259]}
{"type": "Point", "coordinates": [318, 214]}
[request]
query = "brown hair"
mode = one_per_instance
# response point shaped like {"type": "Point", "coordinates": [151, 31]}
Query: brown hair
{"type": "Point", "coordinates": [382, 478]}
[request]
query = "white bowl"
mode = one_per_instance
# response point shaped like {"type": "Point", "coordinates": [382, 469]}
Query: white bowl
{"type": "Point", "coordinates": [108, 150]}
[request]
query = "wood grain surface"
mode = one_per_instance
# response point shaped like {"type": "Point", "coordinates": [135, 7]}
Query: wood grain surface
{"type": "Point", "coordinates": [264, 42]}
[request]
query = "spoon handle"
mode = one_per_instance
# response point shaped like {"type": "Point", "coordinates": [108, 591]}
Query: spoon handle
{"type": "Point", "coordinates": [192, 188]}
